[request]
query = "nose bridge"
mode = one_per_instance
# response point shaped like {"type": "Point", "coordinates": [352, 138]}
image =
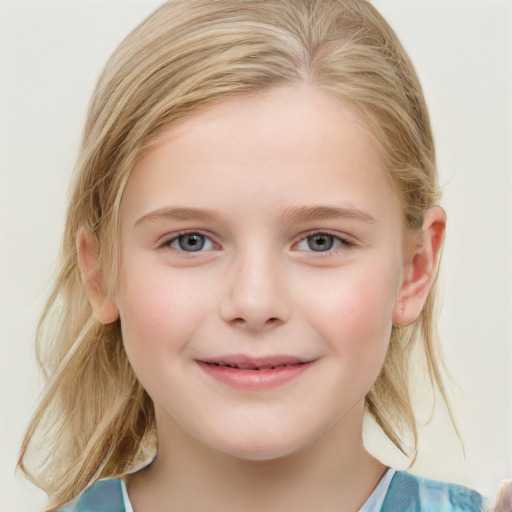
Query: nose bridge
{"type": "Point", "coordinates": [256, 295]}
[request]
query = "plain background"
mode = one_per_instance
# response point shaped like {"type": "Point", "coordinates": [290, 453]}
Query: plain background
{"type": "Point", "coordinates": [51, 53]}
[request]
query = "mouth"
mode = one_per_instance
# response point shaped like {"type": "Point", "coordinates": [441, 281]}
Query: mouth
{"type": "Point", "coordinates": [247, 373]}
{"type": "Point", "coordinates": [251, 367]}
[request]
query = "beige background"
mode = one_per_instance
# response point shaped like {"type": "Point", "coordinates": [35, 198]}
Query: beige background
{"type": "Point", "coordinates": [50, 55]}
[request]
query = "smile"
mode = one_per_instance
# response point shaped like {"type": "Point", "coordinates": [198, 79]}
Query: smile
{"type": "Point", "coordinates": [245, 373]}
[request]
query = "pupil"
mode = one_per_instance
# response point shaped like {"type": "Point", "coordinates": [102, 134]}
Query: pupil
{"type": "Point", "coordinates": [320, 242]}
{"type": "Point", "coordinates": [191, 242]}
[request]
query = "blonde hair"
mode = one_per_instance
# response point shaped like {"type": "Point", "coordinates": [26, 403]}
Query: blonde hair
{"type": "Point", "coordinates": [95, 420]}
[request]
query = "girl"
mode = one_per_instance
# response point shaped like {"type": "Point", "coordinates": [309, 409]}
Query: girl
{"type": "Point", "coordinates": [248, 264]}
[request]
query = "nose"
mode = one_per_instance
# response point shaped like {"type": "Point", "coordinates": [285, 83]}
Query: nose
{"type": "Point", "coordinates": [255, 298]}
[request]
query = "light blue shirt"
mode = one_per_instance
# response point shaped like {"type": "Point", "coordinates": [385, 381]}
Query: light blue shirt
{"type": "Point", "coordinates": [397, 491]}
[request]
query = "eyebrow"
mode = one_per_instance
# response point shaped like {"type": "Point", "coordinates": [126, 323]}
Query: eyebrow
{"type": "Point", "coordinates": [177, 212]}
{"type": "Point", "coordinates": [312, 213]}
{"type": "Point", "coordinates": [290, 216]}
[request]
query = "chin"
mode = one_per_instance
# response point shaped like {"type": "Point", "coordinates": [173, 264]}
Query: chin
{"type": "Point", "coordinates": [262, 445]}
{"type": "Point", "coordinates": [260, 453]}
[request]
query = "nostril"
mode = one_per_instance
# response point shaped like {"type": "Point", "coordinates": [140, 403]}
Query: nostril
{"type": "Point", "coordinates": [242, 322]}
{"type": "Point", "coordinates": [272, 322]}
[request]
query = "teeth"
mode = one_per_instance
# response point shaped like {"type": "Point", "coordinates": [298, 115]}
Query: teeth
{"type": "Point", "coordinates": [273, 367]}
{"type": "Point", "coordinates": [225, 364]}
{"type": "Point", "coordinates": [243, 366]}
{"type": "Point", "coordinates": [246, 367]}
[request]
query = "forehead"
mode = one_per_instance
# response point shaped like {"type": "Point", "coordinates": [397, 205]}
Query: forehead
{"type": "Point", "coordinates": [288, 146]}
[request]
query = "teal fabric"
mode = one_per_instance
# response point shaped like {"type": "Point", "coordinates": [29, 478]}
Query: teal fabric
{"type": "Point", "coordinates": [406, 493]}
{"type": "Point", "coordinates": [103, 496]}
{"type": "Point", "coordinates": [409, 493]}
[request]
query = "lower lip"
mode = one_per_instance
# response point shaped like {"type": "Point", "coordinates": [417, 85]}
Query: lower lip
{"type": "Point", "coordinates": [254, 380]}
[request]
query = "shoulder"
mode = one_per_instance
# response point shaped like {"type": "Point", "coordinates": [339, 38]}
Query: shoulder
{"type": "Point", "coordinates": [103, 496]}
{"type": "Point", "coordinates": [410, 493]}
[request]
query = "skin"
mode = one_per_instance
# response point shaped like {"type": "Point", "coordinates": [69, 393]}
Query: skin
{"type": "Point", "coordinates": [258, 177]}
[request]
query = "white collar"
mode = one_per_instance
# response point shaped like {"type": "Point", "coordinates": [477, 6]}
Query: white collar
{"type": "Point", "coordinates": [376, 499]}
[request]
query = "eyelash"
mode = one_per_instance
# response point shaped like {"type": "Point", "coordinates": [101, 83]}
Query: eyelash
{"type": "Point", "coordinates": [338, 242]}
{"type": "Point", "coordinates": [167, 244]}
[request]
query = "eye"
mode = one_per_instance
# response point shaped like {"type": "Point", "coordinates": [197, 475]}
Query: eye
{"type": "Point", "coordinates": [321, 242]}
{"type": "Point", "coordinates": [190, 242]}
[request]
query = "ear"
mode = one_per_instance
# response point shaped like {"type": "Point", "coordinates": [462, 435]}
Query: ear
{"type": "Point", "coordinates": [103, 305]}
{"type": "Point", "coordinates": [420, 268]}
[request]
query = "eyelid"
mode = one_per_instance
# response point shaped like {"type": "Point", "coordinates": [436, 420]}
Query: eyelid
{"type": "Point", "coordinates": [165, 241]}
{"type": "Point", "coordinates": [345, 241]}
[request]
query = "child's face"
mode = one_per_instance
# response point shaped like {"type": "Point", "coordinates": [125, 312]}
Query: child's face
{"type": "Point", "coordinates": [261, 233]}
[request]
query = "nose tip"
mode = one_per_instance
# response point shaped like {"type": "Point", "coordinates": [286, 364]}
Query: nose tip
{"type": "Point", "coordinates": [255, 298]}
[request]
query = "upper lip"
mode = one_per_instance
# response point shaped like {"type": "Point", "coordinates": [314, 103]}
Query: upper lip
{"type": "Point", "coordinates": [245, 362]}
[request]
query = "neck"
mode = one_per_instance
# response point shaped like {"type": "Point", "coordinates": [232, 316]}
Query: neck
{"type": "Point", "coordinates": [332, 471]}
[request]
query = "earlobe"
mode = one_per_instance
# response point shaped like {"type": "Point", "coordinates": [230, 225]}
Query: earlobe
{"type": "Point", "coordinates": [421, 268]}
{"type": "Point", "coordinates": [102, 303]}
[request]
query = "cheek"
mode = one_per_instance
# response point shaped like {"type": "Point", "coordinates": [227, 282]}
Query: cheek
{"type": "Point", "coordinates": [353, 310]}
{"type": "Point", "coordinates": [158, 313]}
